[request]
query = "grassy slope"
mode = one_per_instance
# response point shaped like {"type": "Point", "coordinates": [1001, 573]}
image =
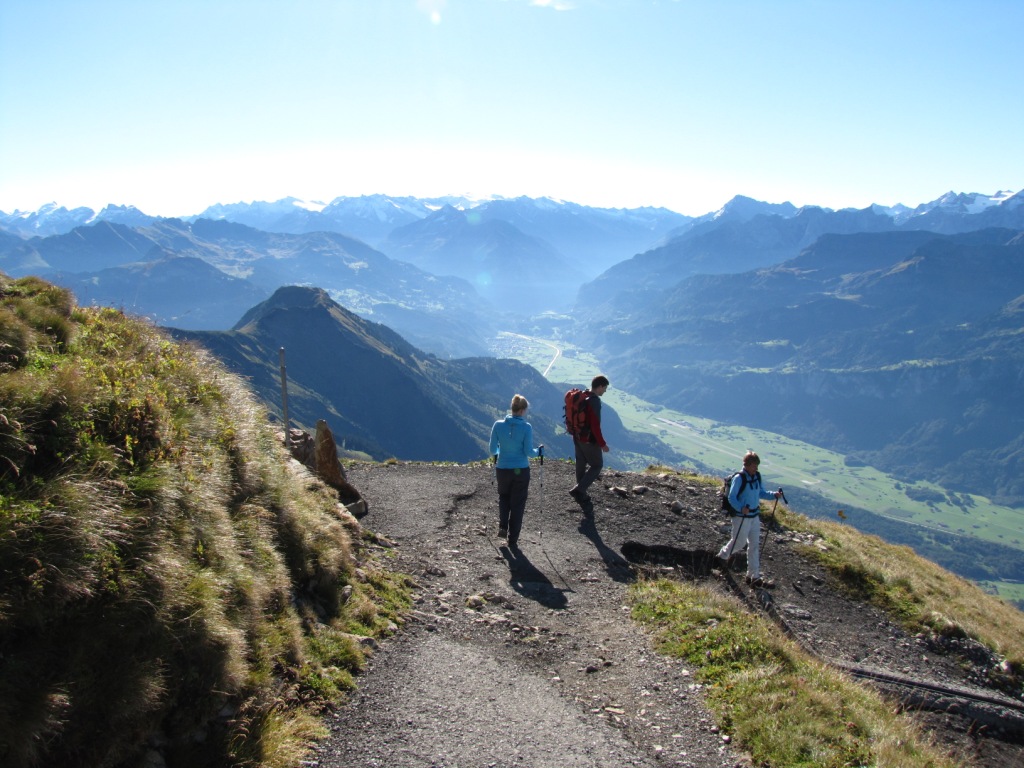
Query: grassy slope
{"type": "Point", "coordinates": [717, 446]}
{"type": "Point", "coordinates": [169, 582]}
{"type": "Point", "coordinates": [787, 709]}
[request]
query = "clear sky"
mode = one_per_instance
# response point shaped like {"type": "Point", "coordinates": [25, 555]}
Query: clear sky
{"type": "Point", "coordinates": [173, 106]}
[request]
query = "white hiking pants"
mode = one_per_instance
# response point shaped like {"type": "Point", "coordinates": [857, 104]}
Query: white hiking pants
{"type": "Point", "coordinates": [746, 532]}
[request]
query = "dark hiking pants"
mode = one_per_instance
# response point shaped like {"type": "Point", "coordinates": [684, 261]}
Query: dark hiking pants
{"type": "Point", "coordinates": [589, 461]}
{"type": "Point", "coordinates": [513, 488]}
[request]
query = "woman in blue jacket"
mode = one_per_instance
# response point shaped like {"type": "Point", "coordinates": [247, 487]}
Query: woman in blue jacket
{"type": "Point", "coordinates": [512, 448]}
{"type": "Point", "coordinates": [745, 494]}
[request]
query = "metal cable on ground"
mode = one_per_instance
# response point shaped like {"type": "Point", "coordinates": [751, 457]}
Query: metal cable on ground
{"type": "Point", "coordinates": [1009, 714]}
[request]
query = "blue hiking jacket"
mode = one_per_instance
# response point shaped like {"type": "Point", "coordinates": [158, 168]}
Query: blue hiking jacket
{"type": "Point", "coordinates": [752, 493]}
{"type": "Point", "coordinates": [512, 441]}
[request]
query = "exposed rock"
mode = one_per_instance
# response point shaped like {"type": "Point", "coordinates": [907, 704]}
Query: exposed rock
{"type": "Point", "coordinates": [320, 455]}
{"type": "Point", "coordinates": [328, 468]}
{"type": "Point", "coordinates": [302, 447]}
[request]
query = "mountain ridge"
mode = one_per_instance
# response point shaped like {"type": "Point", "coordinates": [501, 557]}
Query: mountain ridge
{"type": "Point", "coordinates": [382, 395]}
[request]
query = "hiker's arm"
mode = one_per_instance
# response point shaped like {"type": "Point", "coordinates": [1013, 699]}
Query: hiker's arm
{"type": "Point", "coordinates": [493, 448]}
{"type": "Point", "coordinates": [528, 450]}
{"type": "Point", "coordinates": [594, 422]}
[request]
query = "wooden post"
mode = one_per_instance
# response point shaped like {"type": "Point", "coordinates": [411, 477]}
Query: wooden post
{"type": "Point", "coordinates": [284, 400]}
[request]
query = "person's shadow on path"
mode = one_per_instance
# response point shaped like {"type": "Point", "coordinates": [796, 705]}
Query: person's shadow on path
{"type": "Point", "coordinates": [618, 567]}
{"type": "Point", "coordinates": [531, 582]}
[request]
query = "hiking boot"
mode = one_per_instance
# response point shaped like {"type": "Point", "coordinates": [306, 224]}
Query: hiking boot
{"type": "Point", "coordinates": [502, 533]}
{"type": "Point", "coordinates": [760, 582]}
{"type": "Point", "coordinates": [581, 498]}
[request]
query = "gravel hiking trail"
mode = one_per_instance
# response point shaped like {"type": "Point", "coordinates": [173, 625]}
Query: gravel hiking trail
{"type": "Point", "coordinates": [528, 657]}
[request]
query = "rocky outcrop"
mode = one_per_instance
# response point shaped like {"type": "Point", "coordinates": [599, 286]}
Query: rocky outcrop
{"type": "Point", "coordinates": [320, 455]}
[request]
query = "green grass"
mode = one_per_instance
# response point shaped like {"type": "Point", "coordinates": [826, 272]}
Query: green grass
{"type": "Point", "coordinates": [916, 592]}
{"type": "Point", "coordinates": [784, 461]}
{"type": "Point", "coordinates": [781, 706]}
{"type": "Point", "coordinates": [167, 576]}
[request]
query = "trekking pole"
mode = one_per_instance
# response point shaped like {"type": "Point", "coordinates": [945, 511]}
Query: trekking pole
{"type": "Point", "coordinates": [541, 452]}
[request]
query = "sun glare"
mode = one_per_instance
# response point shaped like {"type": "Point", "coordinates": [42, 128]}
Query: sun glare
{"type": "Point", "coordinates": [432, 8]}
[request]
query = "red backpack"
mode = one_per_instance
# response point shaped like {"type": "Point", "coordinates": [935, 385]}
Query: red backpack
{"type": "Point", "coordinates": [576, 412]}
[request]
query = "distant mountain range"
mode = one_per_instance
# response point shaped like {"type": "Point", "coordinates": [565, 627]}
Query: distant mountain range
{"type": "Point", "coordinates": [482, 266]}
{"type": "Point", "coordinates": [596, 237]}
{"type": "Point", "coordinates": [889, 333]}
{"type": "Point", "coordinates": [205, 275]}
{"type": "Point", "coordinates": [746, 234]}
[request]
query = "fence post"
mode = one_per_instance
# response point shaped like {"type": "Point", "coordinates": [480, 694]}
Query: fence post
{"type": "Point", "coordinates": [284, 400]}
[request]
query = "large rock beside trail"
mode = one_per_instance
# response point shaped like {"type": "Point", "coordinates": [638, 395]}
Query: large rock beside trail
{"type": "Point", "coordinates": [320, 455]}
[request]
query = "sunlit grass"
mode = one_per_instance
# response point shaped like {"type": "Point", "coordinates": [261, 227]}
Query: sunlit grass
{"type": "Point", "coordinates": [164, 564]}
{"type": "Point", "coordinates": [914, 590]}
{"type": "Point", "coordinates": [781, 706]}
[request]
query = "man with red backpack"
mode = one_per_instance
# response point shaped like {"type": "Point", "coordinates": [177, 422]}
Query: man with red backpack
{"type": "Point", "coordinates": [589, 442]}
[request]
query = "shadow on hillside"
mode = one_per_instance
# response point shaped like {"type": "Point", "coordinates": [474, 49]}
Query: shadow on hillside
{"type": "Point", "coordinates": [618, 568]}
{"type": "Point", "coordinates": [530, 582]}
{"type": "Point", "coordinates": [692, 564]}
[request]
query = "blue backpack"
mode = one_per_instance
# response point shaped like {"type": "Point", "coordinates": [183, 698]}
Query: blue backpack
{"type": "Point", "coordinates": [727, 483]}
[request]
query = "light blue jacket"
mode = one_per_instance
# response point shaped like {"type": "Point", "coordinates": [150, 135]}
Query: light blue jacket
{"type": "Point", "coordinates": [512, 441]}
{"type": "Point", "coordinates": [752, 493]}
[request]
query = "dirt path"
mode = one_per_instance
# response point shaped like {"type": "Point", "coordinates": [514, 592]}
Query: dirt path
{"type": "Point", "coordinates": [528, 658]}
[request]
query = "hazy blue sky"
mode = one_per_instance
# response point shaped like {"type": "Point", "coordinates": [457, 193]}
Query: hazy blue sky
{"type": "Point", "coordinates": [174, 106]}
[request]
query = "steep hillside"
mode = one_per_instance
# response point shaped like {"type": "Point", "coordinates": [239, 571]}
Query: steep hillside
{"type": "Point", "coordinates": [174, 590]}
{"type": "Point", "coordinates": [169, 290]}
{"type": "Point", "coordinates": [901, 348]}
{"type": "Point", "coordinates": [381, 395]}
